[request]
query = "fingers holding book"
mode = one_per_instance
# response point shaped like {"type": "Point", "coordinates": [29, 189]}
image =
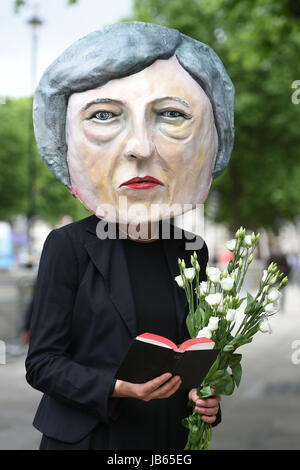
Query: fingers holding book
{"type": "Point", "coordinates": [161, 387]}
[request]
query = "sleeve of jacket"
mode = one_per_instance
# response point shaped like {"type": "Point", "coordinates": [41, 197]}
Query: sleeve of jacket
{"type": "Point", "coordinates": [49, 366]}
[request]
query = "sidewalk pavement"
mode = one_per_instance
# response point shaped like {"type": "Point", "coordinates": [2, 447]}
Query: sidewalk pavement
{"type": "Point", "coordinates": [264, 413]}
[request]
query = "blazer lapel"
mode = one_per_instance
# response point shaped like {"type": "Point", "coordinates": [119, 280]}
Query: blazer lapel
{"type": "Point", "coordinates": [109, 258]}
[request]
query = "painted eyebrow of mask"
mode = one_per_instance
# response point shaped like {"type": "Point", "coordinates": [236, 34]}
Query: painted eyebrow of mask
{"type": "Point", "coordinates": [109, 100]}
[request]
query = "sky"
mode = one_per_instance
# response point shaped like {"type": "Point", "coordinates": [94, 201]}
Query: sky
{"type": "Point", "coordinates": [62, 26]}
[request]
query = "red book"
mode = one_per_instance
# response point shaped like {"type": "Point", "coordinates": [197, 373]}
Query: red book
{"type": "Point", "coordinates": [152, 355]}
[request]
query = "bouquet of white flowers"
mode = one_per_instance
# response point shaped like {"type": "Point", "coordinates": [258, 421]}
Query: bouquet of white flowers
{"type": "Point", "coordinates": [215, 316]}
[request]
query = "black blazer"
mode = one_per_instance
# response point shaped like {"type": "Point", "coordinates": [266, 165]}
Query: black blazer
{"type": "Point", "coordinates": [82, 325]}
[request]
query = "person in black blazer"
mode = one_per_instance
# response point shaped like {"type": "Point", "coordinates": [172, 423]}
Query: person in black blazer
{"type": "Point", "coordinates": [98, 122]}
{"type": "Point", "coordinates": [82, 326]}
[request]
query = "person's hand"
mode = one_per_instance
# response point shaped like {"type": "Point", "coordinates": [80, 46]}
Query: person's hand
{"type": "Point", "coordinates": [160, 387]}
{"type": "Point", "coordinates": [207, 407]}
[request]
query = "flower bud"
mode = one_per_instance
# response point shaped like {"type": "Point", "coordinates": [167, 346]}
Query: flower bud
{"type": "Point", "coordinates": [240, 264]}
{"type": "Point", "coordinates": [283, 283]}
{"type": "Point", "coordinates": [197, 266]}
{"type": "Point", "coordinates": [183, 264]}
{"type": "Point", "coordinates": [242, 233]}
{"type": "Point", "coordinates": [250, 259]}
{"type": "Point", "coordinates": [273, 280]}
{"type": "Point", "coordinates": [237, 234]}
{"type": "Point", "coordinates": [270, 267]}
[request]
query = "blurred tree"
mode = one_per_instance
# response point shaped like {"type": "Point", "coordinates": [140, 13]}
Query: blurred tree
{"type": "Point", "coordinates": [52, 199]}
{"type": "Point", "coordinates": [18, 4]}
{"type": "Point", "coordinates": [258, 42]}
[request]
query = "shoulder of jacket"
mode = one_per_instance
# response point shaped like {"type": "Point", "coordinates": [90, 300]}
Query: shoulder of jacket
{"type": "Point", "coordinates": [73, 233]}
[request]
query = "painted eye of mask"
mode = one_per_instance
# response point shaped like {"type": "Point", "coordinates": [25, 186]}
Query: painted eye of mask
{"type": "Point", "coordinates": [103, 115]}
{"type": "Point", "coordinates": [172, 114]}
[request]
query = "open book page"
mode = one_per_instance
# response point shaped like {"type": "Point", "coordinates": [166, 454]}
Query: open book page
{"type": "Point", "coordinates": [189, 345]}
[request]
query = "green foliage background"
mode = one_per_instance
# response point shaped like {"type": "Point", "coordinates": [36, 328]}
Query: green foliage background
{"type": "Point", "coordinates": [259, 44]}
{"type": "Point", "coordinates": [52, 199]}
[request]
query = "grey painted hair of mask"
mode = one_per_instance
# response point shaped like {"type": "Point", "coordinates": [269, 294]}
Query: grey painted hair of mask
{"type": "Point", "coordinates": [114, 52]}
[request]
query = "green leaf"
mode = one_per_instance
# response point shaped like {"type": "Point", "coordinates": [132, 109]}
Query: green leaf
{"type": "Point", "coordinates": [239, 340]}
{"type": "Point", "coordinates": [190, 325]}
{"type": "Point", "coordinates": [213, 369]}
{"type": "Point", "coordinates": [222, 382]}
{"type": "Point", "coordinates": [234, 359]}
{"type": "Point", "coordinates": [237, 373]}
{"type": "Point", "coordinates": [200, 315]}
{"type": "Point", "coordinates": [204, 392]}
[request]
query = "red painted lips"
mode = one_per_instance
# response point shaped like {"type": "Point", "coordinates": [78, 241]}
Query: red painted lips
{"type": "Point", "coordinates": [144, 182]}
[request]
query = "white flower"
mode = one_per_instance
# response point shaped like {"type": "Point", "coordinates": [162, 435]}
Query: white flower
{"type": "Point", "coordinates": [231, 312]}
{"type": "Point", "coordinates": [264, 326]}
{"type": "Point", "coordinates": [230, 245]}
{"type": "Point", "coordinates": [214, 299]}
{"type": "Point", "coordinates": [189, 273]}
{"type": "Point", "coordinates": [272, 307]}
{"type": "Point", "coordinates": [213, 274]}
{"type": "Point", "coordinates": [248, 241]}
{"type": "Point", "coordinates": [265, 274]}
{"type": "Point", "coordinates": [204, 288]}
{"type": "Point", "coordinates": [179, 281]}
{"type": "Point", "coordinates": [274, 295]}
{"type": "Point", "coordinates": [204, 333]}
{"type": "Point", "coordinates": [213, 323]}
{"type": "Point", "coordinates": [243, 252]}
{"type": "Point", "coordinates": [227, 283]}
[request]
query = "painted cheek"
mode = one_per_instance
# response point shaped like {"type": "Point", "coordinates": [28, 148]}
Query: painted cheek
{"type": "Point", "coordinates": [100, 133]}
{"type": "Point", "coordinates": [173, 131]}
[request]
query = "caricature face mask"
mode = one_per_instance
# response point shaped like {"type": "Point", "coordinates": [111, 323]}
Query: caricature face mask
{"type": "Point", "coordinates": [140, 147]}
{"type": "Point", "coordinates": [139, 143]}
